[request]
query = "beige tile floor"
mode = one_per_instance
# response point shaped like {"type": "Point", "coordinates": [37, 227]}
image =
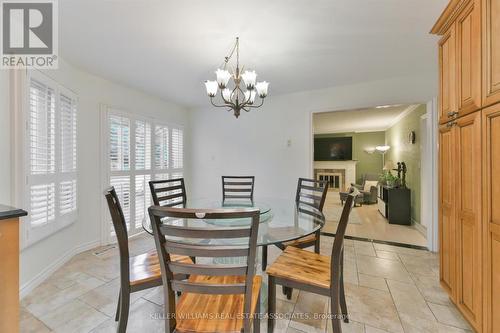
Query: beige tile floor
{"type": "Point", "coordinates": [374, 225]}
{"type": "Point", "coordinates": [388, 289]}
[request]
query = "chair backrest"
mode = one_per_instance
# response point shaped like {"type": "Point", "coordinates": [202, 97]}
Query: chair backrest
{"type": "Point", "coordinates": [168, 193]}
{"type": "Point", "coordinates": [172, 271]}
{"type": "Point", "coordinates": [338, 243]}
{"type": "Point", "coordinates": [237, 187]}
{"type": "Point", "coordinates": [120, 226]}
{"type": "Point", "coordinates": [312, 192]}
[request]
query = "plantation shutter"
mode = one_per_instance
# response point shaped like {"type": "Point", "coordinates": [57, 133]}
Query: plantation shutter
{"type": "Point", "coordinates": [41, 136]}
{"type": "Point", "coordinates": [177, 148]}
{"type": "Point", "coordinates": [51, 168]}
{"type": "Point", "coordinates": [67, 187]}
{"type": "Point", "coordinates": [161, 147]}
{"type": "Point", "coordinates": [139, 150]}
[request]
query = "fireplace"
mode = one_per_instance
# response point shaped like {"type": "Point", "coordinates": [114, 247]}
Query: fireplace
{"type": "Point", "coordinates": [339, 174]}
{"type": "Point", "coordinates": [335, 178]}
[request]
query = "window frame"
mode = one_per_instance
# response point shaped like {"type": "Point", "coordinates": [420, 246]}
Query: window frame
{"type": "Point", "coordinates": [32, 234]}
{"type": "Point", "coordinates": [106, 112]}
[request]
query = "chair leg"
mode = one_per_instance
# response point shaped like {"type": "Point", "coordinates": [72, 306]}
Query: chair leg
{"type": "Point", "coordinates": [124, 309]}
{"type": "Point", "coordinates": [271, 304]}
{"type": "Point", "coordinates": [117, 315]}
{"type": "Point", "coordinates": [257, 314]}
{"type": "Point", "coordinates": [317, 242]}
{"type": "Point", "coordinates": [334, 305]}
{"type": "Point", "coordinates": [264, 258]}
{"type": "Point", "coordinates": [343, 304]}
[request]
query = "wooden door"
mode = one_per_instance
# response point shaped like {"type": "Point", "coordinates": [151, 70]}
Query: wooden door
{"type": "Point", "coordinates": [447, 73]}
{"type": "Point", "coordinates": [447, 210]}
{"type": "Point", "coordinates": [468, 32]}
{"type": "Point", "coordinates": [491, 216]}
{"type": "Point", "coordinates": [468, 217]}
{"type": "Point", "coordinates": [491, 51]}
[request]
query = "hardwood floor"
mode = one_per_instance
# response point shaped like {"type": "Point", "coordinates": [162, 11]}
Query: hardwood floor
{"type": "Point", "coordinates": [373, 225]}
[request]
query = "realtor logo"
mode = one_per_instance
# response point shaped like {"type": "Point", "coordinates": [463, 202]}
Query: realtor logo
{"type": "Point", "coordinates": [29, 34]}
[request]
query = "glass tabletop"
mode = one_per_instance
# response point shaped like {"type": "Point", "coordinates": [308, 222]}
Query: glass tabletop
{"type": "Point", "coordinates": [280, 220]}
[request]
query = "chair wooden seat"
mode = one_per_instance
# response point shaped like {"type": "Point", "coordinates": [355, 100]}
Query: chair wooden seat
{"type": "Point", "coordinates": [214, 313]}
{"type": "Point", "coordinates": [146, 267]}
{"type": "Point", "coordinates": [302, 266]}
{"type": "Point", "coordinates": [301, 242]}
{"type": "Point", "coordinates": [314, 273]}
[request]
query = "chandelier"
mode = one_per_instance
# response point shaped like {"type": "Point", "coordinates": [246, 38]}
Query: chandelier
{"type": "Point", "coordinates": [232, 95]}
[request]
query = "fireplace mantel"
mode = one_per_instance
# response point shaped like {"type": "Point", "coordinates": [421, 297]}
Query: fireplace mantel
{"type": "Point", "coordinates": [348, 166]}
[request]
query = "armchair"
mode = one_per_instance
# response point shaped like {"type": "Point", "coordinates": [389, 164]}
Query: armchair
{"type": "Point", "coordinates": [368, 188]}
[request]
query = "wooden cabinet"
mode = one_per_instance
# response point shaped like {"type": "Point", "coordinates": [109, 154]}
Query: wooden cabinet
{"type": "Point", "coordinates": [467, 141]}
{"type": "Point", "coordinates": [447, 73]}
{"type": "Point", "coordinates": [468, 50]}
{"type": "Point", "coordinates": [491, 51]}
{"type": "Point", "coordinates": [447, 200]}
{"type": "Point", "coordinates": [491, 216]}
{"type": "Point", "coordinates": [469, 159]}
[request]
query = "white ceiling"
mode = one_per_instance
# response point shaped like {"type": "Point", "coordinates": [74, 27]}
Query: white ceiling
{"type": "Point", "coordinates": [359, 120]}
{"type": "Point", "coordinates": [168, 48]}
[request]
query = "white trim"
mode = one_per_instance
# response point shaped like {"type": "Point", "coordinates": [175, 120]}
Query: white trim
{"type": "Point", "coordinates": [24, 180]}
{"type": "Point", "coordinates": [403, 114]}
{"type": "Point", "coordinates": [27, 287]}
{"type": "Point", "coordinates": [432, 129]}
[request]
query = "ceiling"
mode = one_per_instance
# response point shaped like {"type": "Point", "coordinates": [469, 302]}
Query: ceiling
{"type": "Point", "coordinates": [359, 120]}
{"type": "Point", "coordinates": [168, 48]}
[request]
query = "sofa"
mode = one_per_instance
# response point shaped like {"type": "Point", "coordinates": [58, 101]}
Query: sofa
{"type": "Point", "coordinates": [369, 188]}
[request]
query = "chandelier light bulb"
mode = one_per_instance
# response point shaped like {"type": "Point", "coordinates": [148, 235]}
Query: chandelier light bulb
{"type": "Point", "coordinates": [226, 94]}
{"type": "Point", "coordinates": [262, 88]}
{"type": "Point", "coordinates": [211, 88]}
{"type": "Point", "coordinates": [223, 77]}
{"type": "Point", "coordinates": [249, 77]}
{"type": "Point", "coordinates": [250, 96]}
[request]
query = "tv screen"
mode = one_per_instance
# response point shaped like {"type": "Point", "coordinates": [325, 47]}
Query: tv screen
{"type": "Point", "coordinates": [333, 149]}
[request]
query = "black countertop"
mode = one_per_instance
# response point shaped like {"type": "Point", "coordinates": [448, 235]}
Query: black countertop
{"type": "Point", "coordinates": [8, 212]}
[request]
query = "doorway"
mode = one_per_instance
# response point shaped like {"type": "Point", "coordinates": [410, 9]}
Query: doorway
{"type": "Point", "coordinates": [365, 147]}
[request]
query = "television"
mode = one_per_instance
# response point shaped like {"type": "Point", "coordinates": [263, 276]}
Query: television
{"type": "Point", "coordinates": [333, 149]}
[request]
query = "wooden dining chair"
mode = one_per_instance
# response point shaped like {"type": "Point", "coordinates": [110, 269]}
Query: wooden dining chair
{"type": "Point", "coordinates": [315, 273]}
{"type": "Point", "coordinates": [312, 193]}
{"type": "Point", "coordinates": [237, 187]}
{"type": "Point", "coordinates": [216, 297]}
{"type": "Point", "coordinates": [137, 272]}
{"type": "Point", "coordinates": [170, 193]}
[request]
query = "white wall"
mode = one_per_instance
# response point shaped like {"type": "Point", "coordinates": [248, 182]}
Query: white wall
{"type": "Point", "coordinates": [91, 90]}
{"type": "Point", "coordinates": [256, 143]}
{"type": "Point", "coordinates": [5, 182]}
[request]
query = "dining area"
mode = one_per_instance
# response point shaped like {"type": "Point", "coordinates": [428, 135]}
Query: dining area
{"type": "Point", "coordinates": [210, 256]}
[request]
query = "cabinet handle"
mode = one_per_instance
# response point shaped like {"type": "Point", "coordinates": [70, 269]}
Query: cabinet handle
{"type": "Point", "coordinates": [452, 114]}
{"type": "Point", "coordinates": [451, 124]}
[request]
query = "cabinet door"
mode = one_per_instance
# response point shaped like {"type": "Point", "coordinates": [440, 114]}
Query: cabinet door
{"type": "Point", "coordinates": [491, 52]}
{"type": "Point", "coordinates": [468, 30]}
{"type": "Point", "coordinates": [468, 209]}
{"type": "Point", "coordinates": [491, 213]}
{"type": "Point", "coordinates": [447, 73]}
{"type": "Point", "coordinates": [447, 254]}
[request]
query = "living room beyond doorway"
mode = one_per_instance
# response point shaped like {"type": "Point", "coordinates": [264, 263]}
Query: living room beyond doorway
{"type": "Point", "coordinates": [376, 153]}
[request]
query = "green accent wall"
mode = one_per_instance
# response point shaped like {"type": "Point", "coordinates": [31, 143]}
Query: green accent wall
{"type": "Point", "coordinates": [403, 151]}
{"type": "Point", "coordinates": [367, 163]}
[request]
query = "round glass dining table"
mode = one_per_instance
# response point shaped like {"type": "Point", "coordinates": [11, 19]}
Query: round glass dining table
{"type": "Point", "coordinates": [280, 220]}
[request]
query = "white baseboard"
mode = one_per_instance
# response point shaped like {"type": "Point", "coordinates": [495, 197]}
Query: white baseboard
{"type": "Point", "coordinates": [420, 228]}
{"type": "Point", "coordinates": [27, 287]}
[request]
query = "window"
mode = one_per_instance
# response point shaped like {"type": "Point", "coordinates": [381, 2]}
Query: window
{"type": "Point", "coordinates": [139, 150]}
{"type": "Point", "coordinates": [51, 160]}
